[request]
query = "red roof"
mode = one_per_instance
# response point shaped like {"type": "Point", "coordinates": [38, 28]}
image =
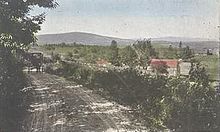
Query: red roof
{"type": "Point", "coordinates": [171, 63]}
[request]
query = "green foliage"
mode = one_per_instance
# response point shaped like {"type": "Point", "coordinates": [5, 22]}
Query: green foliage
{"type": "Point", "coordinates": [145, 94]}
{"type": "Point", "coordinates": [150, 50]}
{"type": "Point", "coordinates": [12, 81]}
{"type": "Point", "coordinates": [165, 52]}
{"type": "Point", "coordinates": [211, 64]}
{"type": "Point", "coordinates": [180, 45]}
{"type": "Point", "coordinates": [194, 103]}
{"type": "Point", "coordinates": [114, 53]}
{"type": "Point", "coordinates": [16, 20]}
{"type": "Point", "coordinates": [55, 57]}
{"type": "Point", "coordinates": [69, 56]}
{"type": "Point", "coordinates": [185, 53]}
{"type": "Point", "coordinates": [49, 47]}
{"type": "Point", "coordinates": [199, 74]}
{"type": "Point", "coordinates": [17, 29]}
{"type": "Point", "coordinates": [128, 56]}
{"type": "Point", "coordinates": [145, 51]}
{"type": "Point", "coordinates": [171, 53]}
{"type": "Point", "coordinates": [175, 53]}
{"type": "Point", "coordinates": [83, 75]}
{"type": "Point", "coordinates": [83, 53]}
{"type": "Point", "coordinates": [179, 104]}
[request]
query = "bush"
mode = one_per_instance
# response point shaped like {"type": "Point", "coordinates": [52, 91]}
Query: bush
{"type": "Point", "coordinates": [179, 104]}
{"type": "Point", "coordinates": [194, 104]}
{"type": "Point", "coordinates": [12, 81]}
{"type": "Point", "coordinates": [145, 94]}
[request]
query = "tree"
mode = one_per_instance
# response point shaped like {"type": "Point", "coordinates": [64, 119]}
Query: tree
{"type": "Point", "coordinates": [180, 45]}
{"type": "Point", "coordinates": [17, 31]}
{"type": "Point", "coordinates": [194, 105]}
{"type": "Point", "coordinates": [145, 51]}
{"type": "Point", "coordinates": [114, 43]}
{"type": "Point", "coordinates": [63, 44]}
{"type": "Point", "coordinates": [114, 55]}
{"type": "Point", "coordinates": [186, 53]}
{"type": "Point", "coordinates": [15, 19]}
{"type": "Point", "coordinates": [150, 50]}
{"type": "Point", "coordinates": [128, 56]}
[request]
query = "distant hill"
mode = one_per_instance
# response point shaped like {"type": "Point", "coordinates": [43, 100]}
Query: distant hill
{"type": "Point", "coordinates": [80, 37]}
{"type": "Point", "coordinates": [94, 39]}
{"type": "Point", "coordinates": [183, 39]}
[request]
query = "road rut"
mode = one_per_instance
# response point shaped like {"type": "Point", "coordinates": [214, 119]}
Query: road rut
{"type": "Point", "coordinates": [64, 106]}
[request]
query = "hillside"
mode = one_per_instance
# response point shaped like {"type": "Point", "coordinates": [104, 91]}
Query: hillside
{"type": "Point", "coordinates": [183, 39]}
{"type": "Point", "coordinates": [198, 44]}
{"type": "Point", "coordinates": [80, 37]}
{"type": "Point", "coordinates": [201, 46]}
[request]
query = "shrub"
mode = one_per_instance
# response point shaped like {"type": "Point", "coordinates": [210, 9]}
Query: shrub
{"type": "Point", "coordinates": [12, 81]}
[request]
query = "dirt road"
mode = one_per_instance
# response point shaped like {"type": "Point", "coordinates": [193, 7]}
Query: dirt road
{"type": "Point", "coordinates": [63, 106]}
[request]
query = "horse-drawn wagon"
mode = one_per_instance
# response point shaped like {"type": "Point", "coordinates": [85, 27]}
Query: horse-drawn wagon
{"type": "Point", "coordinates": [33, 60]}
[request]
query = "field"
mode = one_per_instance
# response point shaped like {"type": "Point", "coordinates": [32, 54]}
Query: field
{"type": "Point", "coordinates": [211, 63]}
{"type": "Point", "coordinates": [87, 53]}
{"type": "Point", "coordinates": [91, 53]}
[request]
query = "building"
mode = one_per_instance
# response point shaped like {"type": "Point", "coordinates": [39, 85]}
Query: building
{"type": "Point", "coordinates": [184, 68]}
{"type": "Point", "coordinates": [169, 67]}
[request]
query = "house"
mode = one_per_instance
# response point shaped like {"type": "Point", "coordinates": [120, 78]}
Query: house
{"type": "Point", "coordinates": [169, 67]}
{"type": "Point", "coordinates": [184, 68]}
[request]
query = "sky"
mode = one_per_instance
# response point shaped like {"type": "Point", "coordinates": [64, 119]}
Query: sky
{"type": "Point", "coordinates": [135, 18]}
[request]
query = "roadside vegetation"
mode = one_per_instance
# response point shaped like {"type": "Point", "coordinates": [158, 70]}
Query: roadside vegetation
{"type": "Point", "coordinates": [175, 103]}
{"type": "Point", "coordinates": [12, 81]}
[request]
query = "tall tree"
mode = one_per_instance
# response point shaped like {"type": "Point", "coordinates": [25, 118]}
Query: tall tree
{"type": "Point", "coordinates": [145, 51]}
{"type": "Point", "coordinates": [114, 54]}
{"type": "Point", "coordinates": [180, 44]}
{"type": "Point", "coordinates": [128, 56]}
{"type": "Point", "coordinates": [17, 30]}
{"type": "Point", "coordinates": [15, 19]}
{"type": "Point", "coordinates": [150, 49]}
{"type": "Point", "coordinates": [186, 53]}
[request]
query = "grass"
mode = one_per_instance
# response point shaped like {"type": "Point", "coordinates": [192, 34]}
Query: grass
{"type": "Point", "coordinates": [165, 52]}
{"type": "Point", "coordinates": [211, 62]}
{"type": "Point", "coordinates": [87, 53]}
